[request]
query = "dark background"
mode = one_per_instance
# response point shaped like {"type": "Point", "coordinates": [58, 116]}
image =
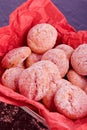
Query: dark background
{"type": "Point", "coordinates": [75, 11]}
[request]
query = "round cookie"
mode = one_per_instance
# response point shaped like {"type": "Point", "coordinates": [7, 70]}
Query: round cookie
{"type": "Point", "coordinates": [66, 48]}
{"type": "Point", "coordinates": [10, 77]}
{"type": "Point", "coordinates": [48, 99]}
{"type": "Point", "coordinates": [41, 37]}
{"type": "Point", "coordinates": [58, 57]}
{"type": "Point", "coordinates": [76, 79]}
{"type": "Point", "coordinates": [34, 82]}
{"type": "Point", "coordinates": [44, 73]}
{"type": "Point", "coordinates": [15, 57]}
{"type": "Point", "coordinates": [71, 101]}
{"type": "Point", "coordinates": [33, 58]}
{"type": "Point", "coordinates": [79, 59]}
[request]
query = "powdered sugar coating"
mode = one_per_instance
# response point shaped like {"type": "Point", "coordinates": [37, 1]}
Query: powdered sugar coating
{"type": "Point", "coordinates": [71, 101]}
{"type": "Point", "coordinates": [51, 69]}
{"type": "Point", "coordinates": [33, 58]}
{"type": "Point", "coordinates": [76, 79]}
{"type": "Point", "coordinates": [79, 59]}
{"type": "Point", "coordinates": [34, 82]}
{"type": "Point", "coordinates": [15, 57]}
{"type": "Point", "coordinates": [10, 77]}
{"type": "Point", "coordinates": [41, 37]}
{"type": "Point", "coordinates": [66, 48]}
{"type": "Point", "coordinates": [48, 99]}
{"type": "Point", "coordinates": [62, 82]}
{"type": "Point", "coordinates": [58, 57]}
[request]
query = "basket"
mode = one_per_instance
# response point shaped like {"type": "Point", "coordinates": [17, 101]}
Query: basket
{"type": "Point", "coordinates": [14, 35]}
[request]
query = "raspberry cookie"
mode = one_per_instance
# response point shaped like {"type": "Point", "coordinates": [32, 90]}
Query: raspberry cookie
{"type": "Point", "coordinates": [77, 79]}
{"type": "Point", "coordinates": [79, 59]}
{"type": "Point", "coordinates": [34, 82]}
{"type": "Point", "coordinates": [33, 58]}
{"type": "Point", "coordinates": [58, 57]}
{"type": "Point", "coordinates": [10, 77]}
{"type": "Point", "coordinates": [42, 37]}
{"type": "Point", "coordinates": [48, 100]}
{"type": "Point", "coordinates": [15, 57]}
{"type": "Point", "coordinates": [66, 48]}
{"type": "Point", "coordinates": [71, 101]}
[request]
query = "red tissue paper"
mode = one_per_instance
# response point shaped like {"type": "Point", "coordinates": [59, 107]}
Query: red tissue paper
{"type": "Point", "coordinates": [14, 35]}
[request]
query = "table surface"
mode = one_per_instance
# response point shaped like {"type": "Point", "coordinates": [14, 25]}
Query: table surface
{"type": "Point", "coordinates": [75, 11]}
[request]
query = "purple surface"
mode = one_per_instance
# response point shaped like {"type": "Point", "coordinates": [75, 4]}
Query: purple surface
{"type": "Point", "coordinates": [75, 11]}
{"type": "Point", "coordinates": [6, 7]}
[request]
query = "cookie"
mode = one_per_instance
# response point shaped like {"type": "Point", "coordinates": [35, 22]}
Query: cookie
{"type": "Point", "coordinates": [15, 57]}
{"type": "Point", "coordinates": [79, 59]}
{"type": "Point", "coordinates": [66, 48]}
{"type": "Point", "coordinates": [77, 79]}
{"type": "Point", "coordinates": [10, 77]}
{"type": "Point", "coordinates": [58, 57]}
{"type": "Point", "coordinates": [34, 82]}
{"type": "Point", "coordinates": [48, 100]}
{"type": "Point", "coordinates": [33, 58]}
{"type": "Point", "coordinates": [71, 102]}
{"type": "Point", "coordinates": [42, 37]}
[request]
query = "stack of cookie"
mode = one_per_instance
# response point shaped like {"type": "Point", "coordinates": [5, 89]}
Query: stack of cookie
{"type": "Point", "coordinates": [53, 75]}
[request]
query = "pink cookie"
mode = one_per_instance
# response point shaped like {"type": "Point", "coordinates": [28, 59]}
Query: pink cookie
{"type": "Point", "coordinates": [66, 48]}
{"type": "Point", "coordinates": [58, 57]}
{"type": "Point", "coordinates": [76, 79]}
{"type": "Point", "coordinates": [15, 57]}
{"type": "Point", "coordinates": [33, 58]}
{"type": "Point", "coordinates": [39, 77]}
{"type": "Point", "coordinates": [34, 82]}
{"type": "Point", "coordinates": [79, 59]}
{"type": "Point", "coordinates": [42, 37]}
{"type": "Point", "coordinates": [71, 101]}
{"type": "Point", "coordinates": [48, 100]}
{"type": "Point", "coordinates": [10, 78]}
